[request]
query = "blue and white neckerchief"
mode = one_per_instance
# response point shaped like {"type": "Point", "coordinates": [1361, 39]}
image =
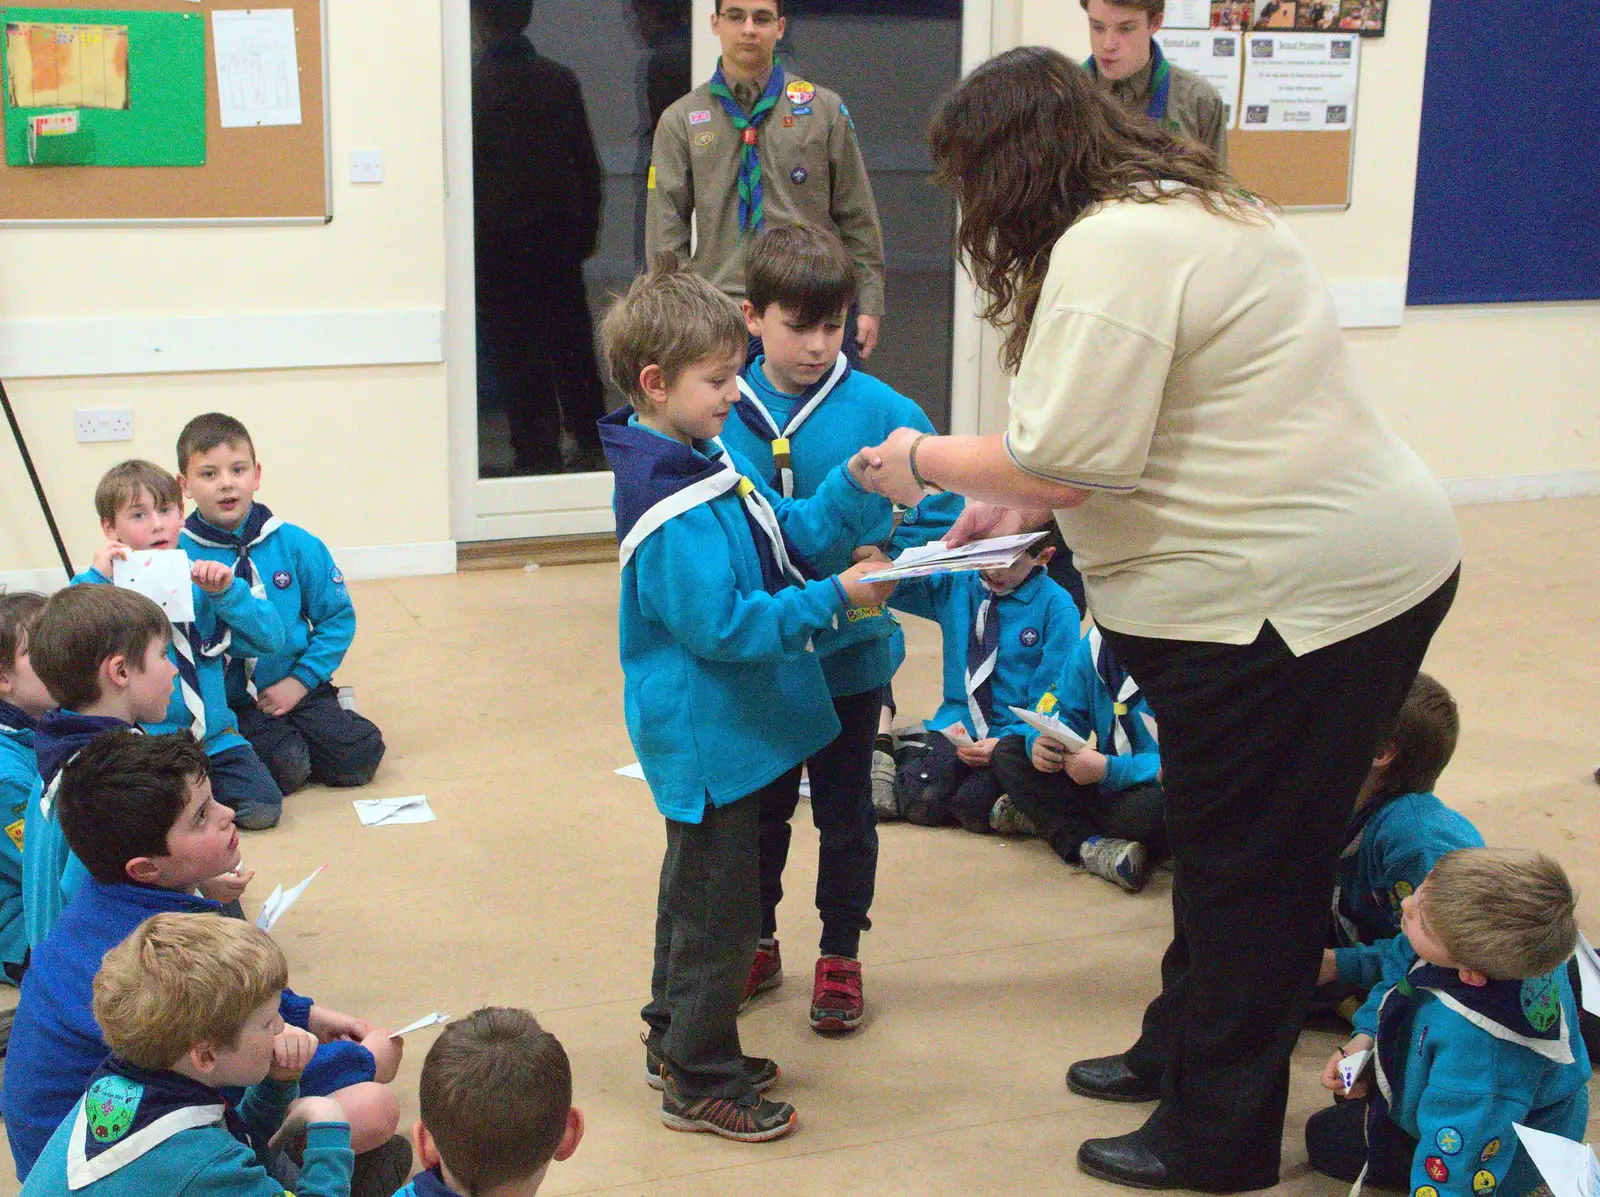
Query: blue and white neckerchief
{"type": "Point", "coordinates": [1124, 693]}
{"type": "Point", "coordinates": [259, 524]}
{"type": "Point", "coordinates": [983, 653]}
{"type": "Point", "coordinates": [767, 428]}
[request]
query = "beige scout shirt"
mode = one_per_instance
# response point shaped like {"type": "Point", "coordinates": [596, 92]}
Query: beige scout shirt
{"type": "Point", "coordinates": [1194, 107]}
{"type": "Point", "coordinates": [1188, 370]}
{"type": "Point", "coordinates": [811, 172]}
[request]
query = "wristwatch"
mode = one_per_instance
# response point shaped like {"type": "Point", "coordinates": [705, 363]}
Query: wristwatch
{"type": "Point", "coordinates": [928, 488]}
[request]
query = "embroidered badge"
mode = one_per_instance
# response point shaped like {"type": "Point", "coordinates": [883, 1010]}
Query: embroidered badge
{"type": "Point", "coordinates": [1483, 1183]}
{"type": "Point", "coordinates": [14, 830]}
{"type": "Point", "coordinates": [800, 92]}
{"type": "Point", "coordinates": [701, 116]}
{"type": "Point", "coordinates": [1541, 1002]}
{"type": "Point", "coordinates": [1427, 1191]}
{"type": "Point", "coordinates": [1449, 1140]}
{"type": "Point", "coordinates": [1436, 1170]}
{"type": "Point", "coordinates": [110, 1106]}
{"type": "Point", "coordinates": [798, 175]}
{"type": "Point", "coordinates": [803, 110]}
{"type": "Point", "coordinates": [704, 138]}
{"type": "Point", "coordinates": [338, 578]}
{"type": "Point", "coordinates": [1490, 1150]}
{"type": "Point", "coordinates": [282, 579]}
{"type": "Point", "coordinates": [788, 122]}
{"type": "Point", "coordinates": [1029, 637]}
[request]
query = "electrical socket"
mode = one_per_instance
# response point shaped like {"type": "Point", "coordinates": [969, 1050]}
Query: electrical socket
{"type": "Point", "coordinates": [103, 424]}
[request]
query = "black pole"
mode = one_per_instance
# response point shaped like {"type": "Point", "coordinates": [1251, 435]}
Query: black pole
{"type": "Point", "coordinates": [33, 476]}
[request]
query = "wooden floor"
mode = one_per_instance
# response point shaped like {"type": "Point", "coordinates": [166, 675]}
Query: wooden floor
{"type": "Point", "coordinates": [990, 966]}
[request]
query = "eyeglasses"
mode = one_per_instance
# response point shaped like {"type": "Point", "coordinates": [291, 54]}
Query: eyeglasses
{"type": "Point", "coordinates": [761, 19]}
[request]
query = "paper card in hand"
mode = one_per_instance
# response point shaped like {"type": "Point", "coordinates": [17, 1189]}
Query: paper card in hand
{"type": "Point", "coordinates": [1049, 725]}
{"type": "Point", "coordinates": [162, 576]}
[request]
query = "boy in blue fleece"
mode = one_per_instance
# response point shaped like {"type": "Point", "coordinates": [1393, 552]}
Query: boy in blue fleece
{"type": "Point", "coordinates": [138, 812]}
{"type": "Point", "coordinates": [722, 694]}
{"type": "Point", "coordinates": [1000, 626]}
{"type": "Point", "coordinates": [102, 654]}
{"type": "Point", "coordinates": [156, 1118]}
{"type": "Point", "coordinates": [804, 411]}
{"type": "Point", "coordinates": [287, 704]}
{"type": "Point", "coordinates": [1100, 807]}
{"type": "Point", "coordinates": [497, 1107]}
{"type": "Point", "coordinates": [23, 700]}
{"type": "Point", "coordinates": [1473, 1028]}
{"type": "Point", "coordinates": [141, 507]}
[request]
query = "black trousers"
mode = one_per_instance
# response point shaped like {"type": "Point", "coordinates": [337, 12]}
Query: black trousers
{"type": "Point", "coordinates": [317, 741]}
{"type": "Point", "coordinates": [1066, 813]}
{"type": "Point", "coordinates": [1336, 1142]}
{"type": "Point", "coordinates": [707, 919]}
{"type": "Point", "coordinates": [841, 808]}
{"type": "Point", "coordinates": [1262, 755]}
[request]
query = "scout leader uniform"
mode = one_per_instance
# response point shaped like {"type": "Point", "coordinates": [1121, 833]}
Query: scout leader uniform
{"type": "Point", "coordinates": [790, 157]}
{"type": "Point", "coordinates": [1175, 99]}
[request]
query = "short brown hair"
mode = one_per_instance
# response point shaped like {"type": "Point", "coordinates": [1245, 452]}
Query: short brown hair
{"type": "Point", "coordinates": [18, 612]}
{"type": "Point", "coordinates": [204, 433]}
{"type": "Point", "coordinates": [1508, 913]}
{"type": "Point", "coordinates": [124, 483]}
{"type": "Point", "coordinates": [183, 979]}
{"type": "Point", "coordinates": [83, 625]}
{"type": "Point", "coordinates": [1423, 737]}
{"type": "Point", "coordinates": [672, 318]}
{"type": "Point", "coordinates": [805, 270]}
{"type": "Point", "coordinates": [496, 1088]}
{"type": "Point", "coordinates": [1150, 8]}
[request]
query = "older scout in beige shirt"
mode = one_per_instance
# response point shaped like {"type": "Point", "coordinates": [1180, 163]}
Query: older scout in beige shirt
{"type": "Point", "coordinates": [811, 169]}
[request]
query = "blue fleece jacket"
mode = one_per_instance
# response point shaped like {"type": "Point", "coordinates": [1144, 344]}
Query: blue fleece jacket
{"type": "Point", "coordinates": [1460, 1080]}
{"type": "Point", "coordinates": [257, 630]}
{"type": "Point", "coordinates": [1391, 850]}
{"type": "Point", "coordinates": [427, 1184]}
{"type": "Point", "coordinates": [55, 1042]}
{"type": "Point", "coordinates": [185, 1147]}
{"type": "Point", "coordinates": [1038, 630]}
{"type": "Point", "coordinates": [720, 692]}
{"type": "Point", "coordinates": [1079, 698]}
{"type": "Point", "coordinates": [857, 411]}
{"type": "Point", "coordinates": [299, 576]}
{"type": "Point", "coordinates": [19, 777]}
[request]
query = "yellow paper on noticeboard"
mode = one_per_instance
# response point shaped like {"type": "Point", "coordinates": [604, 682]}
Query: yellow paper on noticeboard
{"type": "Point", "coordinates": [66, 66]}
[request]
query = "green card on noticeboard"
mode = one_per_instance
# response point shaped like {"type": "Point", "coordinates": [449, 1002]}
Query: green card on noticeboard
{"type": "Point", "coordinates": [136, 82]}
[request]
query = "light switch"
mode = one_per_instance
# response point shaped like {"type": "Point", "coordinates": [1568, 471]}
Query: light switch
{"type": "Point", "coordinates": [366, 166]}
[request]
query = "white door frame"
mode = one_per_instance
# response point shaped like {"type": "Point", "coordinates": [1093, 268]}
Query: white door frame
{"type": "Point", "coordinates": [571, 504]}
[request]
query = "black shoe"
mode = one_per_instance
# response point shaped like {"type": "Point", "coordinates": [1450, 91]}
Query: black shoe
{"type": "Point", "coordinates": [381, 1171]}
{"type": "Point", "coordinates": [1108, 1078]}
{"type": "Point", "coordinates": [1125, 1160]}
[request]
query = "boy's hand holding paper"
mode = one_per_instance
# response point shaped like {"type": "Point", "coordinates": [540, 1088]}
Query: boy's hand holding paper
{"type": "Point", "coordinates": [162, 576]}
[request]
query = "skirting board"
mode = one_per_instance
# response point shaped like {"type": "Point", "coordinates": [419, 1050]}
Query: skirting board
{"type": "Point", "coordinates": [361, 563]}
{"type": "Point", "coordinates": [1520, 488]}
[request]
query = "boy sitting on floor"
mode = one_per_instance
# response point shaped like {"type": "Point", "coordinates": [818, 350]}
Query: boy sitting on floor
{"type": "Point", "coordinates": [1473, 1026]}
{"type": "Point", "coordinates": [189, 1008]}
{"type": "Point", "coordinates": [23, 701]}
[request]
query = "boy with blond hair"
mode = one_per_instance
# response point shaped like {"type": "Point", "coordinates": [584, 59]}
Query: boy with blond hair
{"type": "Point", "coordinates": [140, 507]}
{"type": "Point", "coordinates": [717, 613]}
{"type": "Point", "coordinates": [496, 1096]}
{"type": "Point", "coordinates": [189, 1008]}
{"type": "Point", "coordinates": [23, 702]}
{"type": "Point", "coordinates": [1473, 1028]}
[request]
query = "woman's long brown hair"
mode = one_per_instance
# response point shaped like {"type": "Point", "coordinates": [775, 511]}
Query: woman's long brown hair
{"type": "Point", "coordinates": [1027, 142]}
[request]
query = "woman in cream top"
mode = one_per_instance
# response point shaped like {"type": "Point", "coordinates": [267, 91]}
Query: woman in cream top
{"type": "Point", "coordinates": [1267, 559]}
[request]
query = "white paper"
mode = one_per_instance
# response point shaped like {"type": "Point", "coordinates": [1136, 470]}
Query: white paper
{"type": "Point", "coordinates": [936, 558]}
{"type": "Point", "coordinates": [258, 74]}
{"type": "Point", "coordinates": [386, 812]}
{"type": "Point", "coordinates": [1304, 81]}
{"type": "Point", "coordinates": [278, 902]}
{"type": "Point", "coordinates": [427, 1020]}
{"type": "Point", "coordinates": [1150, 726]}
{"type": "Point", "coordinates": [1352, 1066]}
{"type": "Point", "coordinates": [162, 576]}
{"type": "Point", "coordinates": [1217, 56]}
{"type": "Point", "coordinates": [1187, 14]}
{"type": "Point", "coordinates": [1049, 725]}
{"type": "Point", "coordinates": [635, 771]}
{"type": "Point", "coordinates": [1589, 970]}
{"type": "Point", "coordinates": [956, 733]}
{"type": "Point", "coordinates": [1570, 1169]}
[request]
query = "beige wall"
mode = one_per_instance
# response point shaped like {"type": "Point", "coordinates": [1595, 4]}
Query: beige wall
{"type": "Point", "coordinates": [358, 454]}
{"type": "Point", "coordinates": [1479, 392]}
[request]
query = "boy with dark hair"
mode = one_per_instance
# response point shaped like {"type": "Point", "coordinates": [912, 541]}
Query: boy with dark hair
{"type": "Point", "coordinates": [718, 610]}
{"type": "Point", "coordinates": [23, 701]}
{"type": "Point", "coordinates": [141, 507]}
{"type": "Point", "coordinates": [496, 1095]}
{"type": "Point", "coordinates": [1100, 807]}
{"type": "Point", "coordinates": [803, 411]}
{"type": "Point", "coordinates": [101, 652]}
{"type": "Point", "coordinates": [1472, 1025]}
{"type": "Point", "coordinates": [189, 1008]}
{"type": "Point", "coordinates": [287, 705]}
{"type": "Point", "coordinates": [139, 813]}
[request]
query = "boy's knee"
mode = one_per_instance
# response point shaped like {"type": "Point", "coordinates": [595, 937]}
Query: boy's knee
{"type": "Point", "coordinates": [347, 752]}
{"type": "Point", "coordinates": [374, 1113]}
{"type": "Point", "coordinates": [289, 762]}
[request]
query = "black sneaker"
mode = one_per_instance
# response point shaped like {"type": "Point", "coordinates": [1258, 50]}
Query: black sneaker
{"type": "Point", "coordinates": [763, 1073]}
{"type": "Point", "coordinates": [747, 1119]}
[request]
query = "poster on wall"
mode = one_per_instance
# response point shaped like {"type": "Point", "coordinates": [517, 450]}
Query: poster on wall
{"type": "Point", "coordinates": [1187, 14]}
{"type": "Point", "coordinates": [1300, 81]}
{"type": "Point", "coordinates": [1216, 55]}
{"type": "Point", "coordinates": [1232, 14]}
{"type": "Point", "coordinates": [1366, 17]}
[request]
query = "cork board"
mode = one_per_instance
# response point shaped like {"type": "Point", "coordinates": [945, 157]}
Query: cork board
{"type": "Point", "coordinates": [1294, 169]}
{"type": "Point", "coordinates": [272, 174]}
